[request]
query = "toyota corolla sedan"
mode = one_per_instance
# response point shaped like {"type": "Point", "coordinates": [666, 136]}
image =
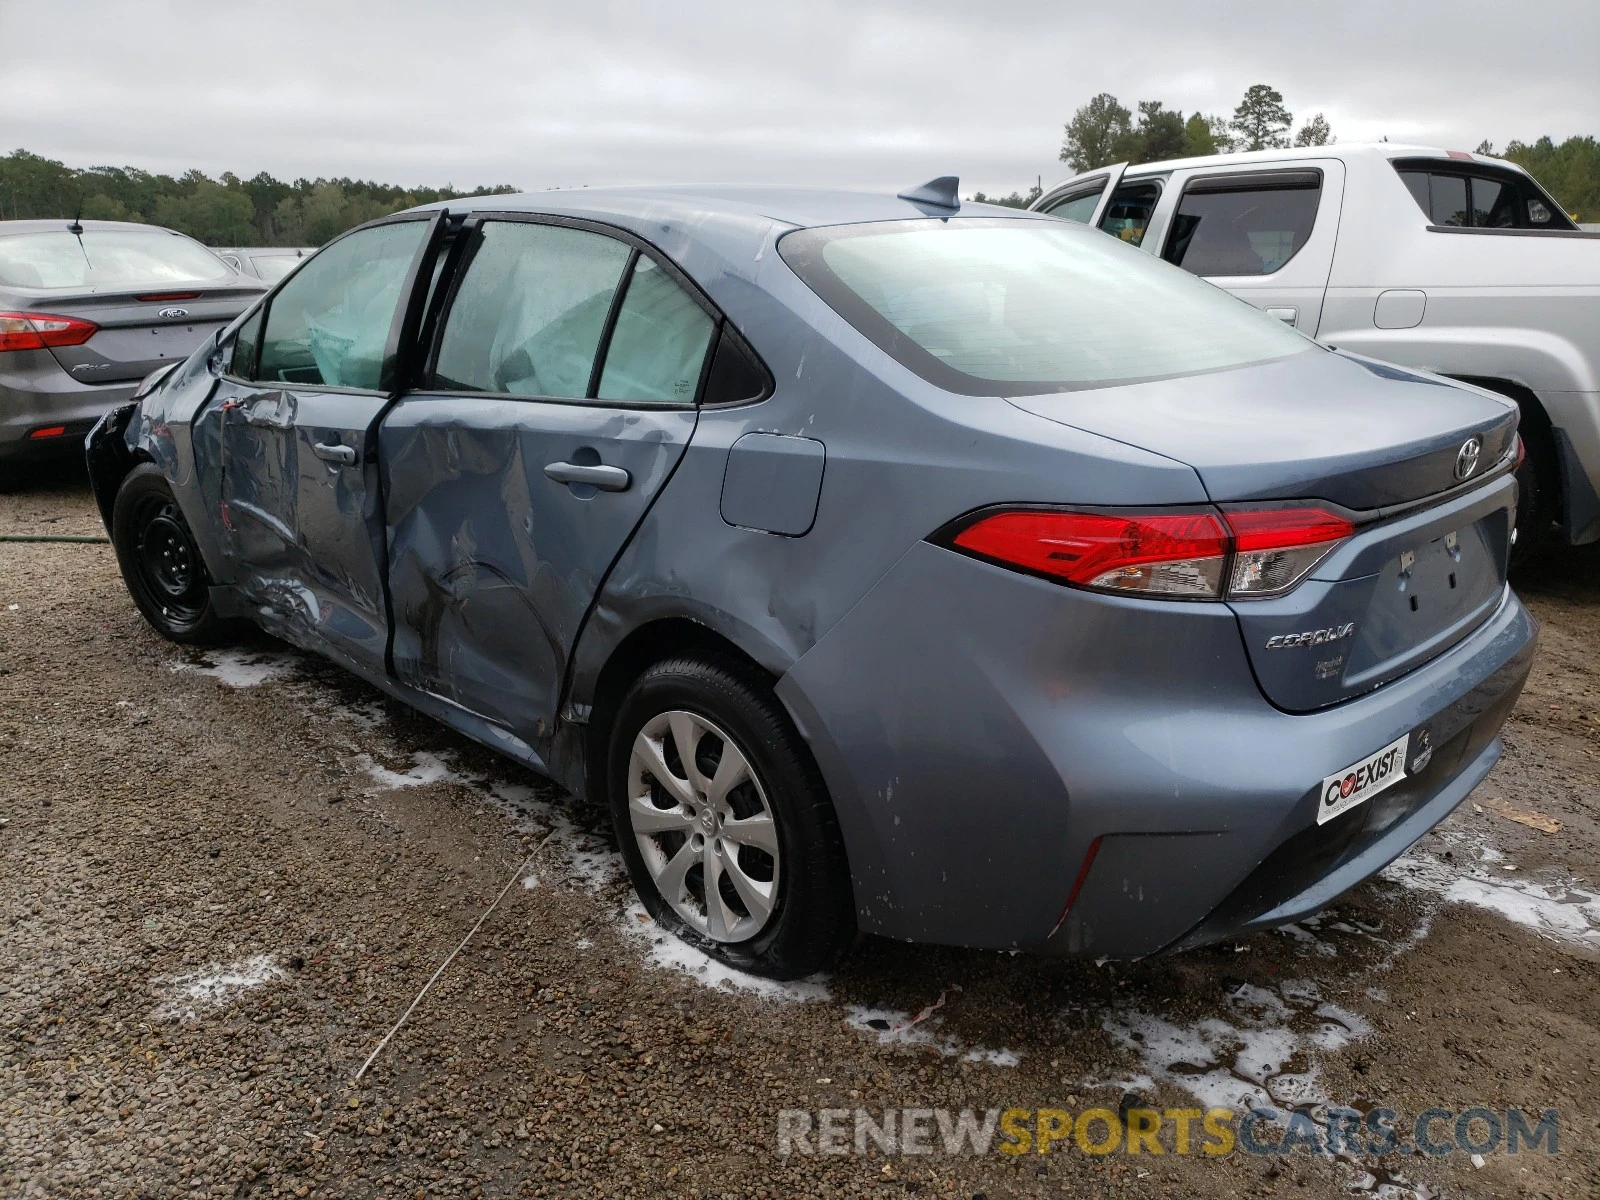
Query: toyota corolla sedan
{"type": "Point", "coordinates": [87, 309]}
{"type": "Point", "coordinates": [887, 563]}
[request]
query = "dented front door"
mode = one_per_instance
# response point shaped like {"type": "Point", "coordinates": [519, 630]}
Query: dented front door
{"type": "Point", "coordinates": [298, 474]}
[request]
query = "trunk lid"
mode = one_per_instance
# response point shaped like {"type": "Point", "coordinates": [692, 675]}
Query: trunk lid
{"type": "Point", "coordinates": [145, 328]}
{"type": "Point", "coordinates": [1427, 563]}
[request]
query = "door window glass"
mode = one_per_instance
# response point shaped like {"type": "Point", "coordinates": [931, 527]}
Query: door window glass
{"type": "Point", "coordinates": [246, 344]}
{"type": "Point", "coordinates": [1245, 231]}
{"type": "Point", "coordinates": [659, 343]}
{"type": "Point", "coordinates": [529, 314]}
{"type": "Point", "coordinates": [1480, 199]}
{"type": "Point", "coordinates": [1128, 214]}
{"type": "Point", "coordinates": [330, 323]}
{"type": "Point", "coordinates": [1078, 207]}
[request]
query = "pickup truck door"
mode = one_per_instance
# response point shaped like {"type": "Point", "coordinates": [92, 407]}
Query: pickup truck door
{"type": "Point", "coordinates": [294, 453]}
{"type": "Point", "coordinates": [1265, 233]}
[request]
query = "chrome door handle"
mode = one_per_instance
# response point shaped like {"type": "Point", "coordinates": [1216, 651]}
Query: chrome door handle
{"type": "Point", "coordinates": [607, 479]}
{"type": "Point", "coordinates": [1285, 313]}
{"type": "Point", "coordinates": [334, 453]}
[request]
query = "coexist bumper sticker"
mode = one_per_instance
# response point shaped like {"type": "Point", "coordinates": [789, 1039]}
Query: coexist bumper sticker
{"type": "Point", "coordinates": [1345, 789]}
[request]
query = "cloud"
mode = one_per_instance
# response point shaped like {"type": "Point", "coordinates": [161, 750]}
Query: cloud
{"type": "Point", "coordinates": [878, 92]}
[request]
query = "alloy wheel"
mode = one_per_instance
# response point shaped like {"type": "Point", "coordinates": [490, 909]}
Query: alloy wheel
{"type": "Point", "coordinates": [704, 826]}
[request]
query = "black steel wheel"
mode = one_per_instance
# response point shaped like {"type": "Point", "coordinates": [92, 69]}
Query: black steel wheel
{"type": "Point", "coordinates": [161, 564]}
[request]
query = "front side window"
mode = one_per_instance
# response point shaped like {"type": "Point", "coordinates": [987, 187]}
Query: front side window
{"type": "Point", "coordinates": [329, 325]}
{"type": "Point", "coordinates": [1460, 197]}
{"type": "Point", "coordinates": [273, 267]}
{"type": "Point", "coordinates": [990, 306]}
{"type": "Point", "coordinates": [1241, 226]}
{"type": "Point", "coordinates": [529, 314]}
{"type": "Point", "coordinates": [1079, 206]}
{"type": "Point", "coordinates": [1128, 214]}
{"type": "Point", "coordinates": [100, 259]}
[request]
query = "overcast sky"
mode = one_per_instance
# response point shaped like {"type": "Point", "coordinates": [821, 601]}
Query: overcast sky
{"type": "Point", "coordinates": [875, 92]}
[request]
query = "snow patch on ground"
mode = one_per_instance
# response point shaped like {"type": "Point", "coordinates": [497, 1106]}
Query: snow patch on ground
{"type": "Point", "coordinates": [1563, 911]}
{"type": "Point", "coordinates": [1262, 1053]}
{"type": "Point", "coordinates": [240, 668]}
{"type": "Point", "coordinates": [214, 986]}
{"type": "Point", "coordinates": [894, 1028]}
{"type": "Point", "coordinates": [668, 953]}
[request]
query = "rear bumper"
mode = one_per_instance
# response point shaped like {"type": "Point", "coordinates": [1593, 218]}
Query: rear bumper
{"type": "Point", "coordinates": [982, 731]}
{"type": "Point", "coordinates": [40, 395]}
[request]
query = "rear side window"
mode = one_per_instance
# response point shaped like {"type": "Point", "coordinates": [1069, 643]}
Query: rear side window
{"type": "Point", "coordinates": [997, 307]}
{"type": "Point", "coordinates": [529, 314]}
{"type": "Point", "coordinates": [1243, 224]}
{"type": "Point", "coordinates": [658, 346]}
{"type": "Point", "coordinates": [105, 258]}
{"type": "Point", "coordinates": [1481, 198]}
{"type": "Point", "coordinates": [1128, 214]}
{"type": "Point", "coordinates": [329, 325]}
{"type": "Point", "coordinates": [559, 313]}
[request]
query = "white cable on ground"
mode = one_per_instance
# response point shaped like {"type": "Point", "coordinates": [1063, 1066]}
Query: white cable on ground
{"type": "Point", "coordinates": [515, 875]}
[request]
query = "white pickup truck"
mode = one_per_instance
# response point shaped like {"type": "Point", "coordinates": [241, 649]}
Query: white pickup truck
{"type": "Point", "coordinates": [1450, 262]}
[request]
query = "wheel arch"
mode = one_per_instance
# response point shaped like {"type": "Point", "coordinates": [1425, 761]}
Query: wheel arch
{"type": "Point", "coordinates": [641, 648]}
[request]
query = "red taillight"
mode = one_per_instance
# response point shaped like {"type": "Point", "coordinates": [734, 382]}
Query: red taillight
{"type": "Point", "coordinates": [1177, 554]}
{"type": "Point", "coordinates": [1189, 553]}
{"type": "Point", "coordinates": [38, 331]}
{"type": "Point", "coordinates": [1275, 548]}
{"type": "Point", "coordinates": [49, 431]}
{"type": "Point", "coordinates": [164, 297]}
{"type": "Point", "coordinates": [1522, 453]}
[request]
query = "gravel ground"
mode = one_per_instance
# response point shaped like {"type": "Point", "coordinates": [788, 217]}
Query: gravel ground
{"type": "Point", "coordinates": [227, 874]}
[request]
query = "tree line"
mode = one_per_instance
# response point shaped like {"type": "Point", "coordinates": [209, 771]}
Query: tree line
{"type": "Point", "coordinates": [261, 211]}
{"type": "Point", "coordinates": [1105, 131]}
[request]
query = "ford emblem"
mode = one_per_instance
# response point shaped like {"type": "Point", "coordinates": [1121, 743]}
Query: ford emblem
{"type": "Point", "coordinates": [174, 313]}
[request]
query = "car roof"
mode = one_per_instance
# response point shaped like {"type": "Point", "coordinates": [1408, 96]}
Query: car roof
{"type": "Point", "coordinates": [59, 224]}
{"type": "Point", "coordinates": [1342, 151]}
{"type": "Point", "coordinates": [734, 204]}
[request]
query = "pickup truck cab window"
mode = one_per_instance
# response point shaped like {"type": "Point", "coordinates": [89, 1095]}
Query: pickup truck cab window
{"type": "Point", "coordinates": [1079, 205]}
{"type": "Point", "coordinates": [1479, 197]}
{"type": "Point", "coordinates": [1247, 224]}
{"type": "Point", "coordinates": [1128, 215]}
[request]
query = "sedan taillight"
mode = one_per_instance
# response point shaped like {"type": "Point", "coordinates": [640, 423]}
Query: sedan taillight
{"type": "Point", "coordinates": [40, 331]}
{"type": "Point", "coordinates": [1195, 554]}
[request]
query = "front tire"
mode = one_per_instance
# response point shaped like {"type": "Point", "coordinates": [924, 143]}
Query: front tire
{"type": "Point", "coordinates": [161, 564]}
{"type": "Point", "coordinates": [724, 822]}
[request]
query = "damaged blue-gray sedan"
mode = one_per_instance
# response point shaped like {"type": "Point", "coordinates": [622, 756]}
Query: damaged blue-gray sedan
{"type": "Point", "coordinates": [938, 571]}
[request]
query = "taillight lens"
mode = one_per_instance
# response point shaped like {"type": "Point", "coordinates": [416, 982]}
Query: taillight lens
{"type": "Point", "coordinates": [1275, 548]}
{"type": "Point", "coordinates": [1196, 554]}
{"type": "Point", "coordinates": [39, 331]}
{"type": "Point", "coordinates": [1171, 554]}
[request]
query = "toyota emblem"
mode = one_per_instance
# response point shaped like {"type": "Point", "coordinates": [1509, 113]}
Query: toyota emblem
{"type": "Point", "coordinates": [1467, 457]}
{"type": "Point", "coordinates": [174, 313]}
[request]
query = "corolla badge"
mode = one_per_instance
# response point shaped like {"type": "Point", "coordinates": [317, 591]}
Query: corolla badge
{"type": "Point", "coordinates": [174, 313]}
{"type": "Point", "coordinates": [1467, 457]}
{"type": "Point", "coordinates": [1312, 637]}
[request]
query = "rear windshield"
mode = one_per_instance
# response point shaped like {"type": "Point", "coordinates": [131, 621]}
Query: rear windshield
{"type": "Point", "coordinates": [104, 259]}
{"type": "Point", "coordinates": [273, 267]}
{"type": "Point", "coordinates": [991, 306]}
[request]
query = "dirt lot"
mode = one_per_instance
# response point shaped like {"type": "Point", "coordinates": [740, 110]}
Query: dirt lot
{"type": "Point", "coordinates": [226, 875]}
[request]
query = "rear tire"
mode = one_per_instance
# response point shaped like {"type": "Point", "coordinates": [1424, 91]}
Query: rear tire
{"type": "Point", "coordinates": [161, 564]}
{"type": "Point", "coordinates": [750, 819]}
{"type": "Point", "coordinates": [1538, 487]}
